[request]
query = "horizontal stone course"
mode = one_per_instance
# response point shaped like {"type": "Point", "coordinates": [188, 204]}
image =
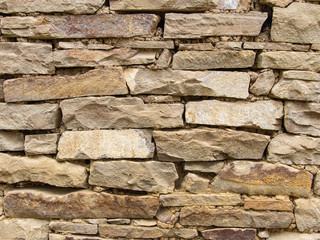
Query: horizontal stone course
{"type": "Point", "coordinates": [229, 234]}
{"type": "Point", "coordinates": [11, 141]}
{"type": "Point", "coordinates": [268, 204]}
{"type": "Point", "coordinates": [76, 228]}
{"type": "Point", "coordinates": [293, 235]}
{"type": "Point", "coordinates": [41, 144]}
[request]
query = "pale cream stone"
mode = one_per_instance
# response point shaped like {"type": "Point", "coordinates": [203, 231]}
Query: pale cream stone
{"type": "Point", "coordinates": [195, 47]}
{"type": "Point", "coordinates": [11, 141]}
{"type": "Point", "coordinates": [129, 43]}
{"type": "Point", "coordinates": [307, 213]}
{"type": "Point", "coordinates": [276, 3]}
{"type": "Point", "coordinates": [263, 84]}
{"type": "Point", "coordinates": [76, 228]}
{"type": "Point", "coordinates": [194, 183]}
{"type": "Point", "coordinates": [229, 45]}
{"type": "Point", "coordinates": [293, 235]}
{"type": "Point", "coordinates": [254, 45]}
{"type": "Point", "coordinates": [71, 45]}
{"type": "Point", "coordinates": [92, 46]}
{"type": "Point", "coordinates": [41, 144]}
{"type": "Point", "coordinates": [145, 222]}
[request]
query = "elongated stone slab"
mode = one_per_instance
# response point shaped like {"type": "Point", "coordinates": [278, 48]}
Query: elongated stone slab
{"type": "Point", "coordinates": [29, 117]}
{"type": "Point", "coordinates": [261, 178]}
{"type": "Point", "coordinates": [26, 58]}
{"type": "Point", "coordinates": [261, 114]}
{"type": "Point", "coordinates": [77, 228]}
{"type": "Point", "coordinates": [108, 81]}
{"type": "Point", "coordinates": [229, 234]}
{"type": "Point", "coordinates": [53, 236]}
{"type": "Point", "coordinates": [268, 204]}
{"type": "Point", "coordinates": [199, 25]}
{"type": "Point", "coordinates": [307, 213]}
{"type": "Point", "coordinates": [128, 43]}
{"type": "Point", "coordinates": [188, 83]}
{"type": "Point", "coordinates": [203, 60]}
{"type": "Point", "coordinates": [41, 144]}
{"type": "Point", "coordinates": [64, 204]}
{"type": "Point", "coordinates": [209, 145]}
{"type": "Point", "coordinates": [293, 235]}
{"type": "Point", "coordinates": [81, 26]}
{"type": "Point", "coordinates": [110, 112]}
{"type": "Point", "coordinates": [100, 144]}
{"type": "Point", "coordinates": [11, 141]}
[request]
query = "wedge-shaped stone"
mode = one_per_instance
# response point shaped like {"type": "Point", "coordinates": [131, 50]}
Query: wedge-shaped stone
{"type": "Point", "coordinates": [14, 169]}
{"type": "Point", "coordinates": [261, 178]}
{"type": "Point", "coordinates": [110, 112]}
{"type": "Point", "coordinates": [261, 114]}
{"type": "Point", "coordinates": [307, 213]}
{"type": "Point", "coordinates": [150, 176]}
{"type": "Point", "coordinates": [203, 60]}
{"type": "Point", "coordinates": [208, 216]}
{"type": "Point", "coordinates": [268, 204]}
{"type": "Point", "coordinates": [41, 144]}
{"type": "Point", "coordinates": [26, 58]}
{"type": "Point", "coordinates": [229, 234]}
{"type": "Point", "coordinates": [77, 228]}
{"type": "Point", "coordinates": [66, 6]}
{"type": "Point", "coordinates": [81, 26]}
{"type": "Point", "coordinates": [11, 141]}
{"type": "Point", "coordinates": [113, 144]}
{"type": "Point", "coordinates": [298, 23]}
{"type": "Point", "coordinates": [199, 25]}
{"type": "Point", "coordinates": [29, 117]}
{"type": "Point", "coordinates": [293, 235]}
{"type": "Point", "coordinates": [293, 149]}
{"type": "Point", "coordinates": [188, 83]}
{"type": "Point", "coordinates": [302, 118]}
{"type": "Point", "coordinates": [209, 145]}
{"type": "Point", "coordinates": [64, 204]}
{"type": "Point", "coordinates": [107, 81]}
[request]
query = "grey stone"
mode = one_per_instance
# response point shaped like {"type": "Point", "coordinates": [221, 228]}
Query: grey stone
{"type": "Point", "coordinates": [76, 228]}
{"type": "Point", "coordinates": [166, 216]}
{"type": "Point", "coordinates": [11, 141]}
{"type": "Point", "coordinates": [307, 213]}
{"type": "Point", "coordinates": [263, 84]}
{"type": "Point", "coordinates": [41, 144]}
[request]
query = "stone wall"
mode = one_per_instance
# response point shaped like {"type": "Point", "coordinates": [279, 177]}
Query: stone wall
{"type": "Point", "coordinates": [159, 119]}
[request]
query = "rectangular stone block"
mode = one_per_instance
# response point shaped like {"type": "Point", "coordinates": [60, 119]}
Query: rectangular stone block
{"type": "Point", "coordinates": [293, 235]}
{"type": "Point", "coordinates": [108, 81]}
{"type": "Point", "coordinates": [229, 234]}
{"type": "Point", "coordinates": [41, 144]}
{"type": "Point", "coordinates": [128, 43]}
{"type": "Point", "coordinates": [268, 204]}
{"type": "Point", "coordinates": [76, 228]}
{"type": "Point", "coordinates": [307, 214]}
{"type": "Point", "coordinates": [205, 167]}
{"type": "Point", "coordinates": [196, 47]}
{"type": "Point", "coordinates": [11, 141]}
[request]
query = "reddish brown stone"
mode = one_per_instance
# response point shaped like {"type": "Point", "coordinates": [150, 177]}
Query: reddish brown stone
{"type": "Point", "coordinates": [229, 234]}
{"type": "Point", "coordinates": [268, 204]}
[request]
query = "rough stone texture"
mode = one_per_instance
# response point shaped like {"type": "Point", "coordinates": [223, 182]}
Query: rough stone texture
{"type": "Point", "coordinates": [209, 24]}
{"type": "Point", "coordinates": [231, 4]}
{"type": "Point", "coordinates": [293, 235]}
{"type": "Point", "coordinates": [166, 216]}
{"type": "Point", "coordinates": [113, 144]}
{"type": "Point", "coordinates": [145, 222]}
{"type": "Point", "coordinates": [94, 46]}
{"type": "Point", "coordinates": [26, 58]}
{"type": "Point", "coordinates": [53, 236]}
{"type": "Point", "coordinates": [263, 84]}
{"type": "Point", "coordinates": [71, 45]}
{"type": "Point", "coordinates": [203, 60]}
{"type": "Point", "coordinates": [315, 46]}
{"type": "Point", "coordinates": [316, 186]}
{"type": "Point", "coordinates": [150, 176]}
{"type": "Point", "coordinates": [195, 46]}
{"type": "Point", "coordinates": [302, 117]}
{"type": "Point", "coordinates": [261, 178]}
{"type": "Point", "coordinates": [41, 144]}
{"type": "Point", "coordinates": [77, 228]}
{"type": "Point", "coordinates": [65, 204]}
{"type": "Point", "coordinates": [128, 43]}
{"type": "Point", "coordinates": [307, 213]}
{"type": "Point", "coordinates": [188, 83]}
{"type": "Point", "coordinates": [11, 141]}
{"type": "Point", "coordinates": [194, 183]}
{"type": "Point", "coordinates": [254, 45]}
{"type": "Point", "coordinates": [1, 206]}
{"type": "Point", "coordinates": [110, 112]}
{"type": "Point", "coordinates": [107, 81]}
{"type": "Point", "coordinates": [298, 23]}
{"type": "Point", "coordinates": [276, 3]}
{"type": "Point", "coordinates": [261, 114]}
{"type": "Point", "coordinates": [291, 149]}
{"type": "Point", "coordinates": [229, 234]}
{"type": "Point", "coordinates": [205, 167]}
{"type": "Point", "coordinates": [268, 204]}
{"type": "Point", "coordinates": [164, 60]}
{"type": "Point", "coordinates": [229, 45]}
{"type": "Point", "coordinates": [80, 26]}
{"type": "Point", "coordinates": [29, 117]}
{"type": "Point", "coordinates": [209, 145]}
{"type": "Point", "coordinates": [206, 216]}
{"type": "Point", "coordinates": [14, 169]}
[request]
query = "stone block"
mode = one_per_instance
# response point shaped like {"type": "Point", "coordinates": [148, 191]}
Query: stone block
{"type": "Point", "coordinates": [41, 144]}
{"type": "Point", "coordinates": [11, 141]}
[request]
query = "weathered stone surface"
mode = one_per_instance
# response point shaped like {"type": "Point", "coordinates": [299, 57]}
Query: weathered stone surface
{"type": "Point", "coordinates": [166, 216]}
{"type": "Point", "coordinates": [254, 45]}
{"type": "Point", "coordinates": [315, 46]}
{"type": "Point", "coordinates": [268, 204]}
{"type": "Point", "coordinates": [150, 176]}
{"type": "Point", "coordinates": [108, 81]}
{"type": "Point", "coordinates": [26, 58]}
{"type": "Point", "coordinates": [195, 47]}
{"type": "Point", "coordinates": [289, 60]}
{"type": "Point", "coordinates": [209, 145]}
{"type": "Point", "coordinates": [164, 59]}
{"type": "Point", "coordinates": [144, 222]}
{"type": "Point", "coordinates": [293, 149]}
{"type": "Point", "coordinates": [215, 199]}
{"type": "Point", "coordinates": [77, 228]}
{"type": "Point", "coordinates": [229, 45]}
{"type": "Point", "coordinates": [43, 169]}
{"type": "Point", "coordinates": [113, 144]}
{"type": "Point", "coordinates": [302, 117]}
{"type": "Point", "coordinates": [194, 183]}
{"type": "Point", "coordinates": [80, 26]}
{"type": "Point", "coordinates": [261, 114]}
{"type": "Point", "coordinates": [29, 117]}
{"type": "Point", "coordinates": [53, 236]}
{"type": "Point", "coordinates": [278, 46]}
{"type": "Point", "coordinates": [64, 204]}
{"type": "Point", "coordinates": [94, 46]}
{"type": "Point", "coordinates": [316, 186]}
{"type": "Point", "coordinates": [71, 45]}
{"type": "Point", "coordinates": [203, 60]}
{"type": "Point", "coordinates": [206, 216]}
{"type": "Point", "coordinates": [11, 141]}
{"type": "Point", "coordinates": [160, 99]}
{"type": "Point", "coordinates": [276, 3]}
{"type": "Point", "coordinates": [293, 235]}
{"type": "Point", "coordinates": [41, 144]}
{"type": "Point", "coordinates": [261, 178]}
{"type": "Point", "coordinates": [28, 229]}
{"type": "Point", "coordinates": [307, 213]}
{"type": "Point", "coordinates": [119, 221]}
{"type": "Point", "coordinates": [1, 206]}
{"type": "Point", "coordinates": [128, 43]}
{"type": "Point", "coordinates": [263, 84]}
{"type": "Point", "coordinates": [205, 167]}
{"type": "Point", "coordinates": [298, 23]}
{"type": "Point", "coordinates": [209, 24]}
{"type": "Point", "coordinates": [110, 112]}
{"type": "Point", "coordinates": [229, 234]}
{"type": "Point", "coordinates": [188, 83]}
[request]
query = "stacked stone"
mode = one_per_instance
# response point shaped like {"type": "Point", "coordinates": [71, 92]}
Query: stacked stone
{"type": "Point", "coordinates": [113, 125]}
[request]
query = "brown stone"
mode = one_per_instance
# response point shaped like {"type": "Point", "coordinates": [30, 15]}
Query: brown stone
{"type": "Point", "coordinates": [11, 141]}
{"type": "Point", "coordinates": [53, 236]}
{"type": "Point", "coordinates": [268, 204]}
{"type": "Point", "coordinates": [229, 234]}
{"type": "Point", "coordinates": [229, 45]}
{"type": "Point", "coordinates": [41, 144]}
{"type": "Point", "coordinates": [195, 47]}
{"type": "Point", "coordinates": [128, 43]}
{"type": "Point", "coordinates": [293, 235]}
{"type": "Point", "coordinates": [77, 228]}
{"type": "Point", "coordinates": [307, 213]}
{"type": "Point", "coordinates": [263, 84]}
{"type": "Point", "coordinates": [194, 183]}
{"type": "Point", "coordinates": [164, 59]}
{"type": "Point", "coordinates": [205, 167]}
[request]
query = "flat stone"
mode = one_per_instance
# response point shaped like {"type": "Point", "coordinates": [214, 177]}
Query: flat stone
{"type": "Point", "coordinates": [110, 112]}
{"type": "Point", "coordinates": [229, 45]}
{"type": "Point", "coordinates": [278, 46]}
{"type": "Point", "coordinates": [276, 3]}
{"type": "Point", "coordinates": [302, 117]}
{"type": "Point", "coordinates": [119, 221]}
{"type": "Point", "coordinates": [41, 144]}
{"type": "Point", "coordinates": [53, 236]}
{"type": "Point", "coordinates": [209, 145]}
{"type": "Point", "coordinates": [203, 60]}
{"type": "Point", "coordinates": [43, 169]}
{"type": "Point", "coordinates": [1, 206]}
{"type": "Point", "coordinates": [129, 43]}
{"type": "Point", "coordinates": [263, 84]}
{"type": "Point", "coordinates": [298, 23]}
{"type": "Point", "coordinates": [81, 26]}
{"type": "Point", "coordinates": [268, 204]}
{"type": "Point", "coordinates": [261, 114]}
{"type": "Point", "coordinates": [254, 45]}
{"type": "Point", "coordinates": [77, 228]}
{"type": "Point", "coordinates": [261, 178]}
{"type": "Point", "coordinates": [205, 167]}
{"type": "Point", "coordinates": [149, 176]}
{"type": "Point", "coordinates": [208, 216]}
{"type": "Point", "coordinates": [315, 46]}
{"type": "Point", "coordinates": [92, 46]}
{"type": "Point", "coordinates": [292, 149]}
{"type": "Point", "coordinates": [145, 222]}
{"type": "Point", "coordinates": [195, 47]}
{"type": "Point", "coordinates": [159, 99]}
{"type": "Point", "coordinates": [194, 183]}
{"type": "Point", "coordinates": [65, 204]}
{"type": "Point", "coordinates": [108, 81]}
{"type": "Point", "coordinates": [188, 83]}
{"type": "Point", "coordinates": [113, 144]}
{"type": "Point", "coordinates": [29, 117]}
{"type": "Point", "coordinates": [293, 235]}
{"type": "Point", "coordinates": [307, 213]}
{"type": "Point", "coordinates": [229, 234]}
{"type": "Point", "coordinates": [11, 141]}
{"type": "Point", "coordinates": [26, 58]}
{"type": "Point", "coordinates": [199, 25]}
{"type": "Point", "coordinates": [71, 45]}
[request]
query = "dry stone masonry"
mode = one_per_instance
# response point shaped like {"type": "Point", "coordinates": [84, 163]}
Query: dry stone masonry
{"type": "Point", "coordinates": [160, 119]}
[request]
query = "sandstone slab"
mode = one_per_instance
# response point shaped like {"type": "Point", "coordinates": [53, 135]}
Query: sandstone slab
{"type": "Point", "coordinates": [307, 213]}
{"type": "Point", "coordinates": [11, 141]}
{"type": "Point", "coordinates": [144, 222]}
{"type": "Point", "coordinates": [195, 46]}
{"type": "Point", "coordinates": [41, 144]}
{"type": "Point", "coordinates": [205, 167]}
{"type": "Point", "coordinates": [293, 235]}
{"type": "Point", "coordinates": [76, 228]}
{"type": "Point", "coordinates": [229, 234]}
{"type": "Point", "coordinates": [276, 3]}
{"type": "Point", "coordinates": [164, 59]}
{"type": "Point", "coordinates": [194, 183]}
{"type": "Point", "coordinates": [128, 43]}
{"type": "Point", "coordinates": [53, 236]}
{"type": "Point", "coordinates": [263, 84]}
{"type": "Point", "coordinates": [268, 204]}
